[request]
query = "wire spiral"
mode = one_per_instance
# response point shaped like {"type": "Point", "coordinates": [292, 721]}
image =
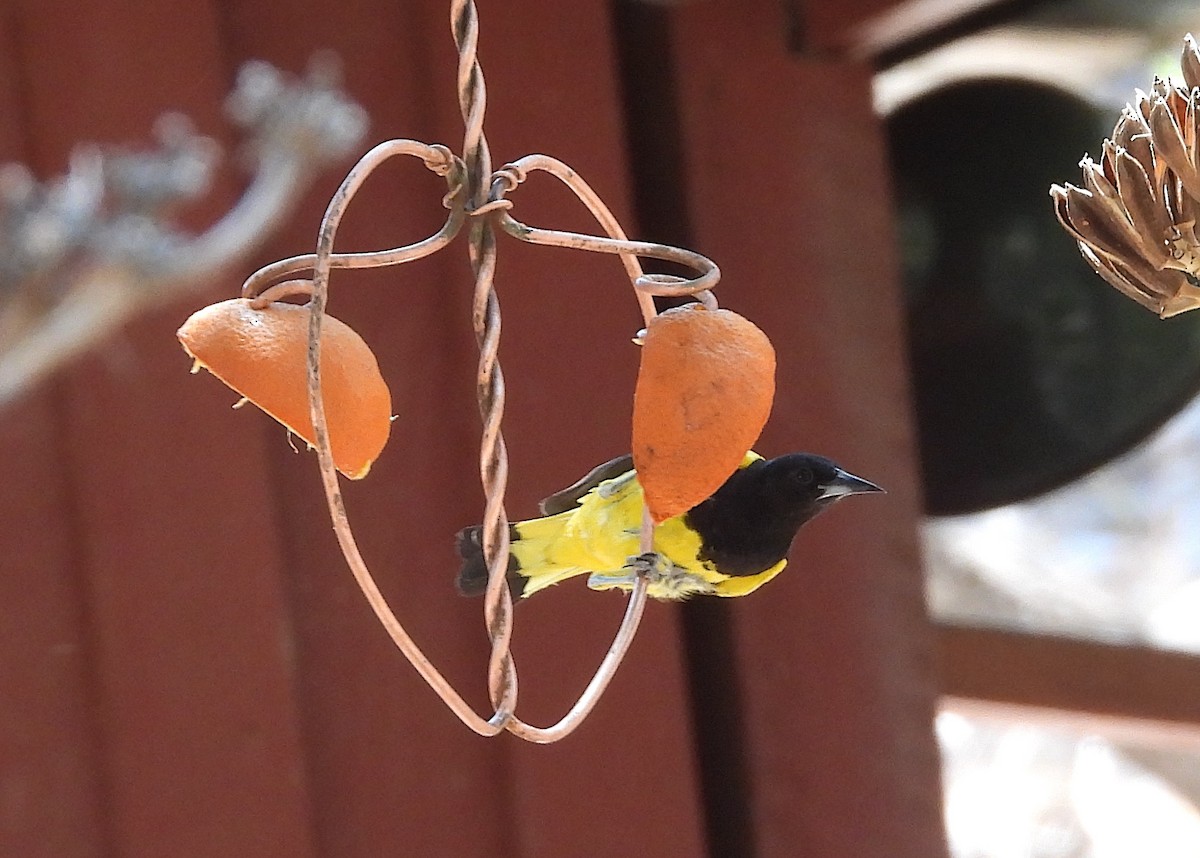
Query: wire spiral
{"type": "Point", "coordinates": [493, 455]}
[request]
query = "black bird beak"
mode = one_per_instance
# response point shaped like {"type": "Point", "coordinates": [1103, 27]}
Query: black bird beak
{"type": "Point", "coordinates": [843, 484]}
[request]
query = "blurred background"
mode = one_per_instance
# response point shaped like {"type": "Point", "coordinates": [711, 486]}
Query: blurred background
{"type": "Point", "coordinates": [997, 659]}
{"type": "Point", "coordinates": [1056, 426]}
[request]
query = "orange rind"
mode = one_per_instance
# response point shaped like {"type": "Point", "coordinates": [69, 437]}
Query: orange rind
{"type": "Point", "coordinates": [704, 391]}
{"type": "Point", "coordinates": [262, 354]}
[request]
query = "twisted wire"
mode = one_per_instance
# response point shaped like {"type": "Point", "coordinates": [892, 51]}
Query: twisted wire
{"type": "Point", "coordinates": [493, 455]}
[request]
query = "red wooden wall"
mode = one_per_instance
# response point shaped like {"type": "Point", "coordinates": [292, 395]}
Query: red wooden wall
{"type": "Point", "coordinates": [186, 667]}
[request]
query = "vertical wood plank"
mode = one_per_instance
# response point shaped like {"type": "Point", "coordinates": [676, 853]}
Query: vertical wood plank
{"type": "Point", "coordinates": [789, 193]}
{"type": "Point", "coordinates": [51, 785]}
{"type": "Point", "coordinates": [190, 653]}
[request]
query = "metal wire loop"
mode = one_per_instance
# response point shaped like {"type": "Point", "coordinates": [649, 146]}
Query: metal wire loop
{"type": "Point", "coordinates": [321, 263]}
{"type": "Point", "coordinates": [475, 192]}
{"type": "Point", "coordinates": [508, 177]}
{"type": "Point", "coordinates": [436, 158]}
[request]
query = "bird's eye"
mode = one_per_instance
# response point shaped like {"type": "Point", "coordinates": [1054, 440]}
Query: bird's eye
{"type": "Point", "coordinates": [804, 476]}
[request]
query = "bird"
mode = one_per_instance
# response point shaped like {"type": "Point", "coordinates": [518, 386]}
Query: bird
{"type": "Point", "coordinates": [727, 545]}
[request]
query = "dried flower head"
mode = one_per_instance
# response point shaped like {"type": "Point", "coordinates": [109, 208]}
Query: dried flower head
{"type": "Point", "coordinates": [1135, 216]}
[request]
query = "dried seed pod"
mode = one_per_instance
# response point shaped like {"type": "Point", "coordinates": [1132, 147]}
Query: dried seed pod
{"type": "Point", "coordinates": [262, 354]}
{"type": "Point", "coordinates": [1135, 216]}
{"type": "Point", "coordinates": [704, 392]}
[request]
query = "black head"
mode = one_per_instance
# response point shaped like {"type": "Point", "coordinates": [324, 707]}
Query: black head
{"type": "Point", "coordinates": [805, 481]}
{"type": "Point", "coordinates": [749, 523]}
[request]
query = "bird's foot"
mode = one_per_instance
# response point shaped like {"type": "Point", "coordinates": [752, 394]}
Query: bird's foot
{"type": "Point", "coordinates": [655, 567]}
{"type": "Point", "coordinates": [665, 579]}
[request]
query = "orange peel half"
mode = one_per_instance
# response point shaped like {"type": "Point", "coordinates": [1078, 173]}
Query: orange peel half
{"type": "Point", "coordinates": [704, 391]}
{"type": "Point", "coordinates": [262, 354]}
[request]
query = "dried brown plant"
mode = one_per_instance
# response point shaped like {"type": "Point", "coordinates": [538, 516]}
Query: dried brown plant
{"type": "Point", "coordinates": [1135, 216]}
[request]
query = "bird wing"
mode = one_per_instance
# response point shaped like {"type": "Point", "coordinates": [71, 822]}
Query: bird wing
{"type": "Point", "coordinates": [568, 498]}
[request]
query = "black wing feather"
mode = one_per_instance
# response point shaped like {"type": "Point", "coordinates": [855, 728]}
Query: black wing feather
{"type": "Point", "coordinates": [568, 498]}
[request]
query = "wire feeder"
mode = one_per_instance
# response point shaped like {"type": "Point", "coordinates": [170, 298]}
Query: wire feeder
{"type": "Point", "coordinates": [476, 195]}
